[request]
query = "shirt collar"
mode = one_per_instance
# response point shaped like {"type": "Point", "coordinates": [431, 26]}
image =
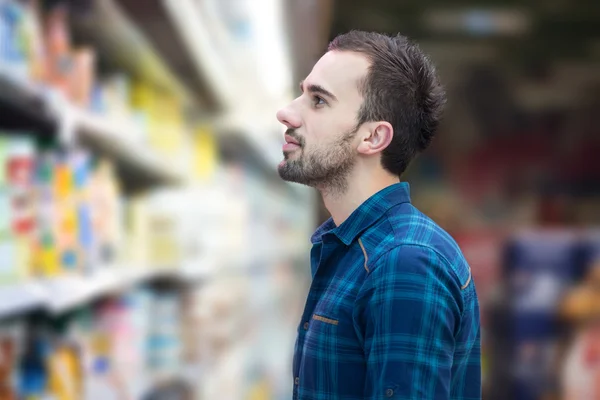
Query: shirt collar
{"type": "Point", "coordinates": [366, 214]}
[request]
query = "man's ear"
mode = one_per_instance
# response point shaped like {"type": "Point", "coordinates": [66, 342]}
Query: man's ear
{"type": "Point", "coordinates": [379, 136]}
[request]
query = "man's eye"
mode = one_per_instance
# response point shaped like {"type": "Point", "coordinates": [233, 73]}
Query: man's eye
{"type": "Point", "coordinates": [318, 101]}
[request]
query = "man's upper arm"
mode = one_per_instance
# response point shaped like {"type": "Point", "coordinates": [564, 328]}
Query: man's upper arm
{"type": "Point", "coordinates": [410, 308]}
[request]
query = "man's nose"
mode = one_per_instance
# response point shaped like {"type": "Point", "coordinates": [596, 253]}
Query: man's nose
{"type": "Point", "coordinates": [288, 117]}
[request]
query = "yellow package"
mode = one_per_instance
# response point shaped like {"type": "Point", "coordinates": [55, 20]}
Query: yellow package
{"type": "Point", "coordinates": [65, 378]}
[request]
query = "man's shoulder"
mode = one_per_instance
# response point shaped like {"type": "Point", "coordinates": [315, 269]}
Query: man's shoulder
{"type": "Point", "coordinates": [404, 230]}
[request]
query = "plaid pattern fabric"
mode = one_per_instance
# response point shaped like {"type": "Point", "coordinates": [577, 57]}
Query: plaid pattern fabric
{"type": "Point", "coordinates": [392, 312]}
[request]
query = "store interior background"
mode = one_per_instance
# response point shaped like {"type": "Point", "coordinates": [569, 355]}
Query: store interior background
{"type": "Point", "coordinates": [149, 250]}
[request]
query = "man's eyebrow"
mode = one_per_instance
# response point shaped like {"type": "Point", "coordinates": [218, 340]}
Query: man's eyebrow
{"type": "Point", "coordinates": [318, 89]}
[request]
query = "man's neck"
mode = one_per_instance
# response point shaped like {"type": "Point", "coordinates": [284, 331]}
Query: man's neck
{"type": "Point", "coordinates": [359, 188]}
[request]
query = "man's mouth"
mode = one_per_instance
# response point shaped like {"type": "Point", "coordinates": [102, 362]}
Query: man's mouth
{"type": "Point", "coordinates": [290, 147]}
{"type": "Point", "coordinates": [291, 140]}
{"type": "Point", "coordinates": [291, 144]}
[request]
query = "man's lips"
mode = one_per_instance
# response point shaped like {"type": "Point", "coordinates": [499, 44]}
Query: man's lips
{"type": "Point", "coordinates": [291, 140]}
{"type": "Point", "coordinates": [291, 144]}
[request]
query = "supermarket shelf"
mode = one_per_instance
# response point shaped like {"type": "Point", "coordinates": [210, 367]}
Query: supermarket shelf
{"type": "Point", "coordinates": [17, 299]}
{"type": "Point", "coordinates": [138, 166]}
{"type": "Point", "coordinates": [67, 293]}
{"type": "Point", "coordinates": [62, 294]}
{"type": "Point", "coordinates": [124, 47]}
{"type": "Point", "coordinates": [24, 105]}
{"type": "Point", "coordinates": [160, 23]}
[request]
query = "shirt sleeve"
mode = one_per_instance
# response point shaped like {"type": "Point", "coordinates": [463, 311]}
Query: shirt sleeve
{"type": "Point", "coordinates": [410, 307]}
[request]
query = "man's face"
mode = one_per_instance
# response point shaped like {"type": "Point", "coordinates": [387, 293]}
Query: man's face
{"type": "Point", "coordinates": [322, 122]}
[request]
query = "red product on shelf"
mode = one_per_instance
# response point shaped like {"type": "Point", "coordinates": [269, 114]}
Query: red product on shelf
{"type": "Point", "coordinates": [20, 171]}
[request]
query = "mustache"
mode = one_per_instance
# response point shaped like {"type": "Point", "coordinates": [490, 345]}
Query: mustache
{"type": "Point", "coordinates": [294, 135]}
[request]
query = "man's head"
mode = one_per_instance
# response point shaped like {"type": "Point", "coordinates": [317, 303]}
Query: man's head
{"type": "Point", "coordinates": [371, 99]}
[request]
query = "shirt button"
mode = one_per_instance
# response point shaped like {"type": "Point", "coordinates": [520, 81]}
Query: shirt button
{"type": "Point", "coordinates": [306, 326]}
{"type": "Point", "coordinates": [389, 393]}
{"type": "Point", "coordinates": [296, 381]}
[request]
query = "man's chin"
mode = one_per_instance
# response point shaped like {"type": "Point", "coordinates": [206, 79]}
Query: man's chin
{"type": "Point", "coordinates": [285, 170]}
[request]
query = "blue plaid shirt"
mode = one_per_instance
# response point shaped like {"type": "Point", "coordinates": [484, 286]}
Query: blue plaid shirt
{"type": "Point", "coordinates": [392, 312]}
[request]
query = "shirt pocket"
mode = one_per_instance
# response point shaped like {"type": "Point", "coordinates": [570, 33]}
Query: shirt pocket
{"type": "Point", "coordinates": [322, 333]}
{"type": "Point", "coordinates": [334, 353]}
{"type": "Point", "coordinates": [332, 332]}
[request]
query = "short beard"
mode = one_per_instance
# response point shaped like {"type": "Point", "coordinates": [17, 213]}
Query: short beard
{"type": "Point", "coordinates": [324, 169]}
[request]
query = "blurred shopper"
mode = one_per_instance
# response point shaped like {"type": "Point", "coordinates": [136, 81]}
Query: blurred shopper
{"type": "Point", "coordinates": [581, 370]}
{"type": "Point", "coordinates": [392, 311]}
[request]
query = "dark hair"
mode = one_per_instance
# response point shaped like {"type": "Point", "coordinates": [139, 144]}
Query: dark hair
{"type": "Point", "coordinates": [402, 88]}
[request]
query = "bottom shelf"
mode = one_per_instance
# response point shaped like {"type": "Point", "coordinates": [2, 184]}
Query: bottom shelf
{"type": "Point", "coordinates": [165, 341]}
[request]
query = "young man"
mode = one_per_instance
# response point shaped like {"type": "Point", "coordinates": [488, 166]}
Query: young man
{"type": "Point", "coordinates": [392, 311]}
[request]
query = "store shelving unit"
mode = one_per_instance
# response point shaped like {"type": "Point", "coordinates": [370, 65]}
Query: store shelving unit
{"type": "Point", "coordinates": [158, 56]}
{"type": "Point", "coordinates": [38, 109]}
{"type": "Point", "coordinates": [29, 106]}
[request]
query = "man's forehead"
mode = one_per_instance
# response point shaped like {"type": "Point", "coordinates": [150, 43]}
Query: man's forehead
{"type": "Point", "coordinates": [339, 71]}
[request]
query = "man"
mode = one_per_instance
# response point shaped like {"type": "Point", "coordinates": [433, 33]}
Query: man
{"type": "Point", "coordinates": [392, 311]}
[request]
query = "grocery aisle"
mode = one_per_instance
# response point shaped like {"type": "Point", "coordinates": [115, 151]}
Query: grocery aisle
{"type": "Point", "coordinates": [146, 251]}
